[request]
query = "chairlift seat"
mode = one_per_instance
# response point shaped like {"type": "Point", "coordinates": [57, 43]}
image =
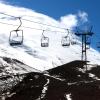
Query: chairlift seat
{"type": "Point", "coordinates": [15, 38]}
{"type": "Point", "coordinates": [65, 41]}
{"type": "Point", "coordinates": [88, 44]}
{"type": "Point", "coordinates": [88, 40]}
{"type": "Point", "coordinates": [16, 41]}
{"type": "Point", "coordinates": [13, 43]}
{"type": "Point", "coordinates": [65, 44]}
{"type": "Point", "coordinates": [44, 42]}
{"type": "Point", "coordinates": [73, 42]}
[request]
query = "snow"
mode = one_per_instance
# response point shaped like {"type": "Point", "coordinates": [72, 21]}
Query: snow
{"type": "Point", "coordinates": [31, 52]}
{"type": "Point", "coordinates": [45, 88]}
{"type": "Point", "coordinates": [68, 96]}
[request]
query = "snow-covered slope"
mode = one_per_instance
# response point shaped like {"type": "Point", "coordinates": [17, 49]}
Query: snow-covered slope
{"type": "Point", "coordinates": [10, 67]}
{"type": "Point", "coordinates": [31, 52]}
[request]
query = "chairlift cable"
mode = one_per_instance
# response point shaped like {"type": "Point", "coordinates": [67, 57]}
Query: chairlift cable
{"type": "Point", "coordinates": [8, 15]}
{"type": "Point", "coordinates": [43, 32]}
{"type": "Point", "coordinates": [29, 27]}
{"type": "Point", "coordinates": [33, 21]}
{"type": "Point", "coordinates": [44, 24]}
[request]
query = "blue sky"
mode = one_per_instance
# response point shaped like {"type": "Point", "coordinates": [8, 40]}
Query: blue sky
{"type": "Point", "coordinates": [58, 8]}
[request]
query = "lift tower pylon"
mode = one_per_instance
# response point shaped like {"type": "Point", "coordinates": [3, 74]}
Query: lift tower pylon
{"type": "Point", "coordinates": [84, 35]}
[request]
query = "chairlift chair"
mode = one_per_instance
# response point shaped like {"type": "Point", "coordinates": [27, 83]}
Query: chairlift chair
{"type": "Point", "coordinates": [44, 41]}
{"type": "Point", "coordinates": [88, 42]}
{"type": "Point", "coordinates": [73, 41]}
{"type": "Point", "coordinates": [15, 38]}
{"type": "Point", "coordinates": [65, 41]}
{"type": "Point", "coordinates": [88, 46]}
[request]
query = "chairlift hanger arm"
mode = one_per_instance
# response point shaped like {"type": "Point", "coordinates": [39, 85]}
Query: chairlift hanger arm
{"type": "Point", "coordinates": [43, 33]}
{"type": "Point", "coordinates": [20, 23]}
{"type": "Point", "coordinates": [68, 33]}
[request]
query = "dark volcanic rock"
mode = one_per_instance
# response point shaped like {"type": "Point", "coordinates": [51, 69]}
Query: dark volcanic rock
{"type": "Point", "coordinates": [70, 72]}
{"type": "Point", "coordinates": [86, 91]}
{"type": "Point", "coordinates": [31, 88]}
{"type": "Point", "coordinates": [65, 79]}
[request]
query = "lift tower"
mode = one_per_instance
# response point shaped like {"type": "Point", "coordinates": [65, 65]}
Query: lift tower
{"type": "Point", "coordinates": [84, 35]}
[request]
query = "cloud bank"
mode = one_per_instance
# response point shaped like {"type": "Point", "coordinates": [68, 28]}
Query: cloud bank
{"type": "Point", "coordinates": [73, 20]}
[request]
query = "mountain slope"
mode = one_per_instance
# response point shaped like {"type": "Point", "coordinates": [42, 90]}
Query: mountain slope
{"type": "Point", "coordinates": [65, 82]}
{"type": "Point", "coordinates": [29, 71]}
{"type": "Point", "coordinates": [31, 52]}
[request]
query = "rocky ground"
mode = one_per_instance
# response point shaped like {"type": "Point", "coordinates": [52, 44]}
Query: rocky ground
{"type": "Point", "coordinates": [66, 82]}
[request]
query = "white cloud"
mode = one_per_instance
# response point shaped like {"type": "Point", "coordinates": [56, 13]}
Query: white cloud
{"type": "Point", "coordinates": [72, 20]}
{"type": "Point", "coordinates": [69, 21]}
{"type": "Point", "coordinates": [83, 16]}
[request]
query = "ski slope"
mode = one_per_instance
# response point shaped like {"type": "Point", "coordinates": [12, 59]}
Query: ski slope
{"type": "Point", "coordinates": [31, 52]}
